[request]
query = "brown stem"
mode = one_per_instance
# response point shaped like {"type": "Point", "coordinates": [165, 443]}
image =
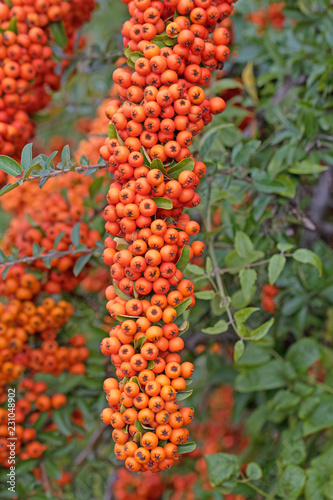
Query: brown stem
{"type": "Point", "coordinates": [95, 437]}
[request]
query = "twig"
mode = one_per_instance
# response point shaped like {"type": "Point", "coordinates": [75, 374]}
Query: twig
{"type": "Point", "coordinates": [219, 281]}
{"type": "Point", "coordinates": [44, 478]}
{"type": "Point", "coordinates": [80, 169]}
{"type": "Point", "coordinates": [51, 255]}
{"type": "Point", "coordinates": [95, 437]}
{"type": "Point", "coordinates": [108, 494]}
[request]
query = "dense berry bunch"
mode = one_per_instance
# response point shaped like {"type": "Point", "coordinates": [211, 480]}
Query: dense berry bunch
{"type": "Point", "coordinates": [36, 400]}
{"type": "Point", "coordinates": [27, 69]}
{"type": "Point", "coordinates": [21, 319]}
{"type": "Point", "coordinates": [41, 225]}
{"type": "Point", "coordinates": [172, 47]}
{"type": "Point", "coordinates": [216, 433]}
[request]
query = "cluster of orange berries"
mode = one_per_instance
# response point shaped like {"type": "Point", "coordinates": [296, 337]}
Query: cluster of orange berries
{"type": "Point", "coordinates": [21, 319]}
{"type": "Point", "coordinates": [32, 403]}
{"type": "Point", "coordinates": [54, 216]}
{"type": "Point", "coordinates": [162, 106]}
{"type": "Point", "coordinates": [272, 15]}
{"type": "Point", "coordinates": [27, 69]}
{"type": "Point", "coordinates": [268, 294]}
{"type": "Point", "coordinates": [165, 103]}
{"type": "Point", "coordinates": [216, 433]}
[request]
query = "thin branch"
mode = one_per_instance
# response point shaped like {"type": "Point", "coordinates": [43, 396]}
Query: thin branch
{"type": "Point", "coordinates": [80, 169]}
{"type": "Point", "coordinates": [51, 255]}
{"type": "Point", "coordinates": [44, 478]}
{"type": "Point", "coordinates": [95, 437]}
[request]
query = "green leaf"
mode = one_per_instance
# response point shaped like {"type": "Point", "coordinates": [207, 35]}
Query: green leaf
{"type": "Point", "coordinates": [253, 471]}
{"type": "Point", "coordinates": [219, 327]}
{"type": "Point", "coordinates": [75, 235]}
{"type": "Point", "coordinates": [10, 166]}
{"type": "Point", "coordinates": [253, 356]}
{"type": "Point", "coordinates": [284, 400]}
{"type": "Point", "coordinates": [80, 263]}
{"type": "Point", "coordinates": [238, 349]}
{"type": "Point", "coordinates": [308, 406]}
{"type": "Point", "coordinates": [285, 247]}
{"type": "Point", "coordinates": [247, 279]}
{"type": "Point", "coordinates": [304, 353]}
{"type": "Point", "coordinates": [58, 239]}
{"type": "Point", "coordinates": [243, 244]}
{"type": "Point", "coordinates": [262, 331]}
{"type": "Point", "coordinates": [62, 419]}
{"type": "Point", "coordinates": [26, 465]}
{"type": "Point", "coordinates": [184, 327]}
{"type": "Point", "coordinates": [123, 317]}
{"type": "Point", "coordinates": [209, 265]}
{"type": "Point", "coordinates": [59, 33]}
{"type": "Point", "coordinates": [13, 25]}
{"type": "Point", "coordinates": [52, 468]}
{"type": "Point", "coordinates": [184, 258]}
{"type": "Point", "coordinates": [205, 295]}
{"type": "Point", "coordinates": [321, 417]}
{"type": "Point", "coordinates": [184, 395]}
{"type": "Point", "coordinates": [186, 448]}
{"type": "Point", "coordinates": [199, 271]}
{"type": "Point", "coordinates": [185, 164]}
{"type": "Point", "coordinates": [308, 257]}
{"type": "Point", "coordinates": [291, 483]}
{"type": "Point", "coordinates": [26, 156]}
{"type": "Point", "coordinates": [268, 376]}
{"type": "Point", "coordinates": [139, 426]}
{"type": "Point", "coordinates": [180, 308]}
{"type": "Point", "coordinates": [243, 314]}
{"type": "Point", "coordinates": [242, 154]}
{"type": "Point", "coordinates": [95, 186]}
{"type": "Point", "coordinates": [221, 466]}
{"type": "Point", "coordinates": [139, 343]}
{"type": "Point", "coordinates": [163, 203]}
{"type": "Point", "coordinates": [9, 187]}
{"type": "Point", "coordinates": [158, 164]}
{"type": "Point", "coordinates": [112, 131]}
{"type": "Point", "coordinates": [306, 167]}
{"type": "Point", "coordinates": [275, 267]}
{"type": "Point", "coordinates": [65, 154]}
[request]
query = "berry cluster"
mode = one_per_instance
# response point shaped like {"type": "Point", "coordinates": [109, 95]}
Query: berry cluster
{"type": "Point", "coordinates": [27, 69]}
{"type": "Point", "coordinates": [29, 344]}
{"type": "Point", "coordinates": [21, 319]}
{"type": "Point", "coordinates": [172, 47]}
{"type": "Point", "coordinates": [34, 402]}
{"type": "Point", "coordinates": [214, 434]}
{"type": "Point", "coordinates": [41, 224]}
